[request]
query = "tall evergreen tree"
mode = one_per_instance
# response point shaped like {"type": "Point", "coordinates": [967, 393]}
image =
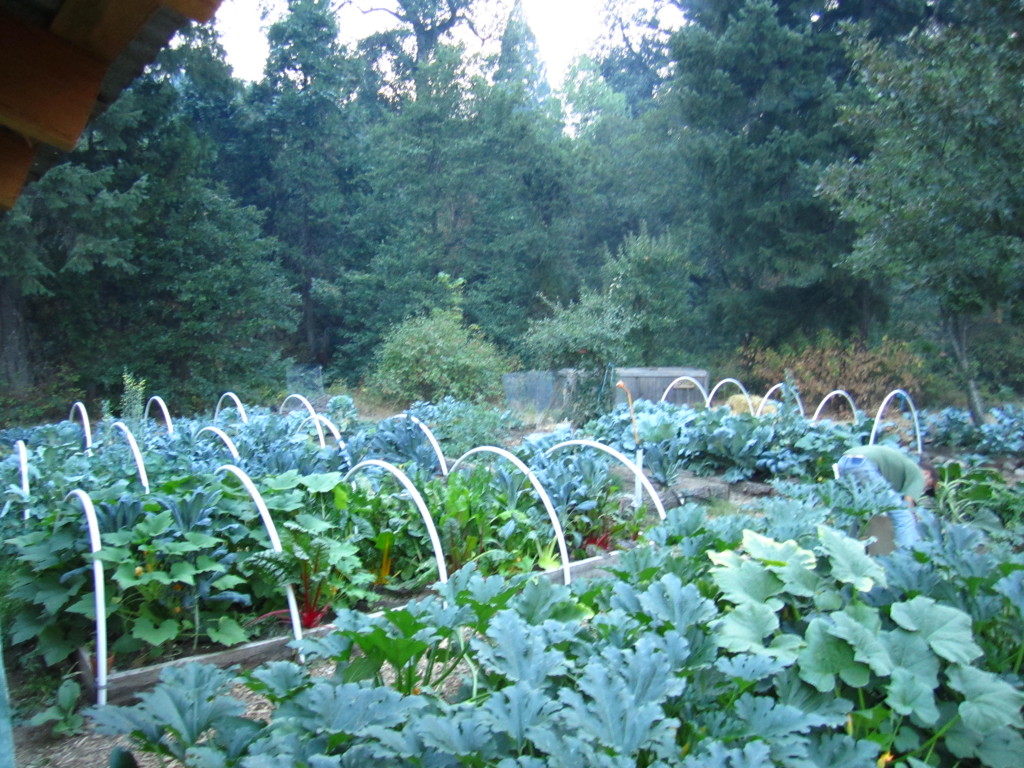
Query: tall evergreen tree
{"type": "Point", "coordinates": [757, 105]}
{"type": "Point", "coordinates": [519, 62]}
{"type": "Point", "coordinates": [467, 179]}
{"type": "Point", "coordinates": [145, 263]}
{"type": "Point", "coordinates": [938, 202]}
{"type": "Point", "coordinates": [298, 159]}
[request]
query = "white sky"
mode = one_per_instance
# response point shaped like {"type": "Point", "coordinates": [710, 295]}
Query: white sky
{"type": "Point", "coordinates": [564, 29]}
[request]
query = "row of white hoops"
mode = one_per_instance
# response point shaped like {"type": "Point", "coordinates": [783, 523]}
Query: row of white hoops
{"type": "Point", "coordinates": [321, 421]}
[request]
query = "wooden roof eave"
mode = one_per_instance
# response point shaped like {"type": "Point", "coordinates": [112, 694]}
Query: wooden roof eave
{"type": "Point", "coordinates": [54, 79]}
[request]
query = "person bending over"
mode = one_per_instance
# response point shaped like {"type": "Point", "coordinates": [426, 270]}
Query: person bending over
{"type": "Point", "coordinates": [908, 480]}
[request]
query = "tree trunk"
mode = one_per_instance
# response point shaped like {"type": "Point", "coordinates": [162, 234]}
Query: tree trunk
{"type": "Point", "coordinates": [957, 327]}
{"type": "Point", "coordinates": [15, 368]}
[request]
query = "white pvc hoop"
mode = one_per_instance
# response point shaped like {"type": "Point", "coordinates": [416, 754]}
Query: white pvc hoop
{"type": "Point", "coordinates": [80, 407]}
{"type": "Point", "coordinates": [139, 464]}
{"type": "Point", "coordinates": [714, 389]}
{"type": "Point", "coordinates": [275, 542]}
{"type": "Point", "coordinates": [163, 408]}
{"type": "Point", "coordinates": [834, 393]}
{"type": "Point", "coordinates": [224, 438]}
{"type": "Point", "coordinates": [913, 411]}
{"type": "Point", "coordinates": [23, 464]}
{"type": "Point", "coordinates": [238, 405]}
{"type": "Point", "coordinates": [417, 499]}
{"type": "Point", "coordinates": [775, 388]}
{"type": "Point", "coordinates": [430, 437]}
{"type": "Point", "coordinates": [680, 380]}
{"type": "Point", "coordinates": [563, 550]}
{"type": "Point", "coordinates": [99, 594]}
{"type": "Point", "coordinates": [312, 414]}
{"type": "Point", "coordinates": [335, 432]}
{"type": "Point", "coordinates": [637, 472]}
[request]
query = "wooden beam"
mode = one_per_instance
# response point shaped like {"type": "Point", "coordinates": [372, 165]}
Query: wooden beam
{"type": "Point", "coordinates": [104, 28]}
{"type": "Point", "coordinates": [197, 10]}
{"type": "Point", "coordinates": [16, 156]}
{"type": "Point", "coordinates": [49, 87]}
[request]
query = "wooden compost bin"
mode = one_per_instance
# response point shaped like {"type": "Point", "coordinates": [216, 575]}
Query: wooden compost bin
{"type": "Point", "coordinates": [650, 384]}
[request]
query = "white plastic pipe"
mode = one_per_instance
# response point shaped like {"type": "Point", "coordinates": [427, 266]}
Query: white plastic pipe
{"type": "Point", "coordinates": [163, 409]}
{"type": "Point", "coordinates": [139, 464]}
{"type": "Point", "coordinates": [637, 472]}
{"type": "Point", "coordinates": [312, 414]}
{"type": "Point", "coordinates": [238, 405]}
{"type": "Point", "coordinates": [99, 594]}
{"type": "Point", "coordinates": [417, 499]}
{"type": "Point", "coordinates": [542, 494]}
{"type": "Point", "coordinates": [275, 541]}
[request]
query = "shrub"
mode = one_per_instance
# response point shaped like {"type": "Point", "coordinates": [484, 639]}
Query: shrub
{"type": "Point", "coordinates": [828, 363]}
{"type": "Point", "coordinates": [590, 337]}
{"type": "Point", "coordinates": [429, 357]}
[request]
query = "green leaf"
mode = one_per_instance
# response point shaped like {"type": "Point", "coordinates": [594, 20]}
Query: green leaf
{"type": "Point", "coordinates": [86, 606]}
{"type": "Point", "coordinates": [279, 680]}
{"type": "Point", "coordinates": [947, 630]}
{"type": "Point", "coordinates": [227, 631]}
{"type": "Point", "coordinates": [1012, 587]}
{"type": "Point", "coordinates": [910, 651]}
{"type": "Point", "coordinates": [827, 656]}
{"type": "Point", "coordinates": [765, 718]}
{"type": "Point", "coordinates": [667, 601]}
{"type": "Point", "coordinates": [289, 501]}
{"type": "Point", "coordinates": [201, 540]}
{"type": "Point", "coordinates": [518, 650]}
{"type": "Point", "coordinates": [517, 710]}
{"type": "Point", "coordinates": [860, 626]}
{"type": "Point", "coordinates": [228, 581]}
{"type": "Point", "coordinates": [286, 481]}
{"type": "Point", "coordinates": [458, 733]}
{"type": "Point", "coordinates": [183, 571]}
{"type": "Point", "coordinates": [907, 694]}
{"type": "Point", "coordinates": [748, 667]}
{"type": "Point", "coordinates": [205, 564]}
{"type": "Point", "coordinates": [776, 554]}
{"type": "Point", "coordinates": [610, 715]}
{"type": "Point", "coordinates": [850, 562]}
{"type": "Point", "coordinates": [349, 708]}
{"type": "Point", "coordinates": [68, 695]}
{"type": "Point", "coordinates": [744, 581]}
{"type": "Point", "coordinates": [188, 702]}
{"type": "Point", "coordinates": [539, 600]}
{"type": "Point", "coordinates": [313, 524]}
{"type": "Point", "coordinates": [744, 629]}
{"type": "Point", "coordinates": [129, 574]}
{"type": "Point", "coordinates": [51, 593]}
{"type": "Point", "coordinates": [990, 703]}
{"type": "Point", "coordinates": [144, 629]}
{"type": "Point", "coordinates": [321, 483]}
{"type": "Point", "coordinates": [999, 749]}
{"type": "Point", "coordinates": [152, 526]}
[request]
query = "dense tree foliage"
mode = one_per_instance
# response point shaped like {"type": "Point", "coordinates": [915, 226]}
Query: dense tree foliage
{"type": "Point", "coordinates": [766, 170]}
{"type": "Point", "coordinates": [938, 202]}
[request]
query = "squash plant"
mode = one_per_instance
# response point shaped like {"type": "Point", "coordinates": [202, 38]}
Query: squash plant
{"type": "Point", "coordinates": [172, 577]}
{"type": "Point", "coordinates": [763, 653]}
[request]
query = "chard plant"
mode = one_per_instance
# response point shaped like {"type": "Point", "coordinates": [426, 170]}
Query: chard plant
{"type": "Point", "coordinates": [324, 570]}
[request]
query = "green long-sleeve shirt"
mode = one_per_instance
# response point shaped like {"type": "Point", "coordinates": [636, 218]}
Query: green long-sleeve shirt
{"type": "Point", "coordinates": [899, 470]}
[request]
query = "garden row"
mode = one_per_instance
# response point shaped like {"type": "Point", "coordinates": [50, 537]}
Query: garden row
{"type": "Point", "coordinates": [188, 563]}
{"type": "Point", "coordinates": [749, 641]}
